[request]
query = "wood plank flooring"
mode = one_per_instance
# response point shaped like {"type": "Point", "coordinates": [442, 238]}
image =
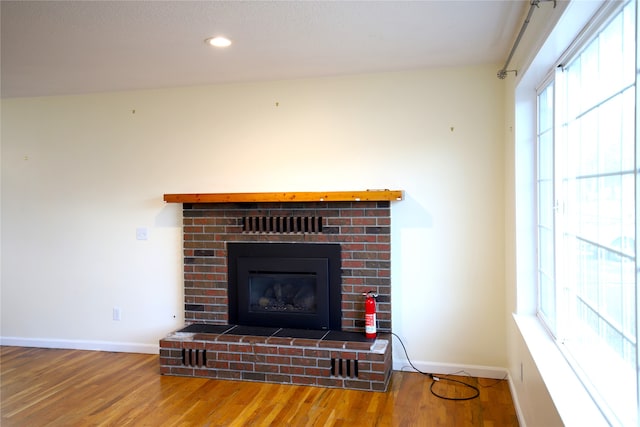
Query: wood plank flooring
{"type": "Point", "coordinates": [49, 387]}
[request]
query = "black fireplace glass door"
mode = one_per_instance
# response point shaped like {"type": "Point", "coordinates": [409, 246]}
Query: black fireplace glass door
{"type": "Point", "coordinates": [283, 292]}
{"type": "Point", "coordinates": [285, 285]}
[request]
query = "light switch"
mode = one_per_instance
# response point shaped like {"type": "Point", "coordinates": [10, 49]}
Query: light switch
{"type": "Point", "coordinates": [142, 233]}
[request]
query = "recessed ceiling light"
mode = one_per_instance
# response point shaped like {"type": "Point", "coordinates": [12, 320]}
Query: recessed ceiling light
{"type": "Point", "coordinates": [218, 41]}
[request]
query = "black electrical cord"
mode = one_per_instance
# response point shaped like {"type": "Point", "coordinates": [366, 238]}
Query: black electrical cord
{"type": "Point", "coordinates": [436, 379]}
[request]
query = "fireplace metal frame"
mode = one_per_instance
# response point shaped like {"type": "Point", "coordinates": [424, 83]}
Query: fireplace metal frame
{"type": "Point", "coordinates": [321, 258]}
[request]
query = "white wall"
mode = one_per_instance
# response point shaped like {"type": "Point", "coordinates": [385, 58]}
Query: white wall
{"type": "Point", "coordinates": [81, 173]}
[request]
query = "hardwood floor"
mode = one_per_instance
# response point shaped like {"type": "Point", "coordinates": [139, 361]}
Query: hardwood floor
{"type": "Point", "coordinates": [49, 387]}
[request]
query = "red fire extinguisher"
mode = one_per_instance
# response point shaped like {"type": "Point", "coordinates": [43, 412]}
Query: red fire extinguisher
{"type": "Point", "coordinates": [370, 315]}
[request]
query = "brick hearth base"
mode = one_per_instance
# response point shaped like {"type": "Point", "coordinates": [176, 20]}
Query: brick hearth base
{"type": "Point", "coordinates": [329, 359]}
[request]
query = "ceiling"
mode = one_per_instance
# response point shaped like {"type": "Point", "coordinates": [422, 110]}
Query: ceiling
{"type": "Point", "coordinates": [77, 47]}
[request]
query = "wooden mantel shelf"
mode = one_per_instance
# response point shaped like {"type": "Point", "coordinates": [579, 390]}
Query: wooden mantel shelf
{"type": "Point", "coordinates": [313, 196]}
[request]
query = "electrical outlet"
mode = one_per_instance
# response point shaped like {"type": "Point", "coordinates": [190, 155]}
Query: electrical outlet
{"type": "Point", "coordinates": [116, 313]}
{"type": "Point", "coordinates": [521, 372]}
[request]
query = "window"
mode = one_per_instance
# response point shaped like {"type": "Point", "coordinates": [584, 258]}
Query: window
{"type": "Point", "coordinates": [546, 205]}
{"type": "Point", "coordinates": [586, 214]}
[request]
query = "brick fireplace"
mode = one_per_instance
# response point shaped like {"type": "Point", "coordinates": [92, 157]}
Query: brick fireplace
{"type": "Point", "coordinates": [209, 346]}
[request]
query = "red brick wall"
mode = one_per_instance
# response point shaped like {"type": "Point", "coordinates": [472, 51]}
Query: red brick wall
{"type": "Point", "coordinates": [362, 229]}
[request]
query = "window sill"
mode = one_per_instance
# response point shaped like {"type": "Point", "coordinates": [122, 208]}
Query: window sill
{"type": "Point", "coordinates": [572, 401]}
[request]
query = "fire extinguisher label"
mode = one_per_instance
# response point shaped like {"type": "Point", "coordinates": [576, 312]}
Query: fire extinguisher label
{"type": "Point", "coordinates": [370, 323]}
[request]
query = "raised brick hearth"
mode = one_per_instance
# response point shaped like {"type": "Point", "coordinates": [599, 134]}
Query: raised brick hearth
{"type": "Point", "coordinates": [235, 354]}
{"type": "Point", "coordinates": [332, 359]}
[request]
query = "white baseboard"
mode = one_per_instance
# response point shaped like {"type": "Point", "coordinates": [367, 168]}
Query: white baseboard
{"type": "Point", "coordinates": [516, 403]}
{"type": "Point", "coordinates": [451, 369]}
{"type": "Point", "coordinates": [121, 347]}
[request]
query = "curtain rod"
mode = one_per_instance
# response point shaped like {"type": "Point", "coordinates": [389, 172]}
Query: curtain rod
{"type": "Point", "coordinates": [503, 71]}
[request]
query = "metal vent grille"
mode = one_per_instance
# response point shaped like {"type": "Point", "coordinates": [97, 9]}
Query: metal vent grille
{"type": "Point", "coordinates": [345, 368]}
{"type": "Point", "coordinates": [282, 224]}
{"type": "Point", "coordinates": [194, 357]}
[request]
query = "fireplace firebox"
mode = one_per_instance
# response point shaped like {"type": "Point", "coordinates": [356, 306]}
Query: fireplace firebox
{"type": "Point", "coordinates": [285, 285]}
